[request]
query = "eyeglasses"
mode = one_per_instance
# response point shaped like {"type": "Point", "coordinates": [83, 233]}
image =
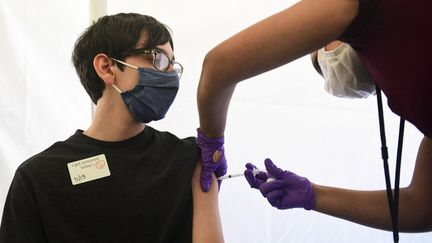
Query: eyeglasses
{"type": "Point", "coordinates": [161, 61]}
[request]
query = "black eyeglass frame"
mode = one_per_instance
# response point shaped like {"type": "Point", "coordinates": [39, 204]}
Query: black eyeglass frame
{"type": "Point", "coordinates": [154, 52]}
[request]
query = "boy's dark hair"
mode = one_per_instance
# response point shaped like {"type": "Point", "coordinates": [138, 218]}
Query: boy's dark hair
{"type": "Point", "coordinates": [116, 36]}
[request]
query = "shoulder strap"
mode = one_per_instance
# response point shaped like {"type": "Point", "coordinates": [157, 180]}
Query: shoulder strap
{"type": "Point", "coordinates": [392, 197]}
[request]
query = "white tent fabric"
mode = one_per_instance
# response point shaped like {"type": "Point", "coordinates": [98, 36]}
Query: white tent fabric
{"type": "Point", "coordinates": [283, 114]}
{"type": "Point", "coordinates": [41, 98]}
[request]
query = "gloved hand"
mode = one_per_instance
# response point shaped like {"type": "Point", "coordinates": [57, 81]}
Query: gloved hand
{"type": "Point", "coordinates": [255, 179]}
{"type": "Point", "coordinates": [288, 190]}
{"type": "Point", "coordinates": [213, 159]}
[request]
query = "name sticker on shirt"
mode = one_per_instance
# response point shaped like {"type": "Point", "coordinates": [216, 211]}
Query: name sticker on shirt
{"type": "Point", "coordinates": [88, 169]}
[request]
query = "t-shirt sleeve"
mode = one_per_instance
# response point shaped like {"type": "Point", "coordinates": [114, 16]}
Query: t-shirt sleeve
{"type": "Point", "coordinates": [21, 221]}
{"type": "Point", "coordinates": [366, 11]}
{"type": "Point", "coordinates": [192, 147]}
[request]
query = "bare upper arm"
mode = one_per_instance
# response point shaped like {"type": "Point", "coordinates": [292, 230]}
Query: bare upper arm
{"type": "Point", "coordinates": [280, 39]}
{"type": "Point", "coordinates": [207, 227]}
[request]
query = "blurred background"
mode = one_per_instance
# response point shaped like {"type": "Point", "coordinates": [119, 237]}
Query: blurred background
{"type": "Point", "coordinates": [284, 114]}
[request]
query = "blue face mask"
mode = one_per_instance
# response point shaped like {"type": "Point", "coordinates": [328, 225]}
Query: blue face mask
{"type": "Point", "coordinates": [153, 95]}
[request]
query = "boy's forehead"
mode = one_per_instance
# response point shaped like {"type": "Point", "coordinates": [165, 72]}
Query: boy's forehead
{"type": "Point", "coordinates": [167, 49]}
{"type": "Point", "coordinates": [142, 40]}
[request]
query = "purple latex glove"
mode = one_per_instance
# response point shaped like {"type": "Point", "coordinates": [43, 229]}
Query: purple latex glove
{"type": "Point", "coordinates": [213, 159]}
{"type": "Point", "coordinates": [255, 180]}
{"type": "Point", "coordinates": [288, 190]}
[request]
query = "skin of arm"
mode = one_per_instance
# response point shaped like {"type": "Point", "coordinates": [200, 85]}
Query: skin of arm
{"type": "Point", "coordinates": [370, 208]}
{"type": "Point", "coordinates": [268, 44]}
{"type": "Point", "coordinates": [207, 227]}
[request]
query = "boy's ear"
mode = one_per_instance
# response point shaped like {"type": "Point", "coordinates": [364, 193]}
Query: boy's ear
{"type": "Point", "coordinates": [104, 67]}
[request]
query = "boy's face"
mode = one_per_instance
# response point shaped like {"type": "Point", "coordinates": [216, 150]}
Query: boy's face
{"type": "Point", "coordinates": [128, 78]}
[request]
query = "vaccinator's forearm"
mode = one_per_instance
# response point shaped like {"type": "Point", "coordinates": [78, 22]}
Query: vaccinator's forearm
{"type": "Point", "coordinates": [370, 208]}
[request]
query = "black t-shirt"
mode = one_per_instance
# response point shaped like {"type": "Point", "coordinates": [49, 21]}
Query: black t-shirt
{"type": "Point", "coordinates": [146, 198]}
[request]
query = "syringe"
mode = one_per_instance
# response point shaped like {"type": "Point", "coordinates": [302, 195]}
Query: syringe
{"type": "Point", "coordinates": [255, 172]}
{"type": "Point", "coordinates": [230, 176]}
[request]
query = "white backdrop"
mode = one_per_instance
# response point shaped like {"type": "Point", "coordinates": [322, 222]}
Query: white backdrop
{"type": "Point", "coordinates": [284, 114]}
